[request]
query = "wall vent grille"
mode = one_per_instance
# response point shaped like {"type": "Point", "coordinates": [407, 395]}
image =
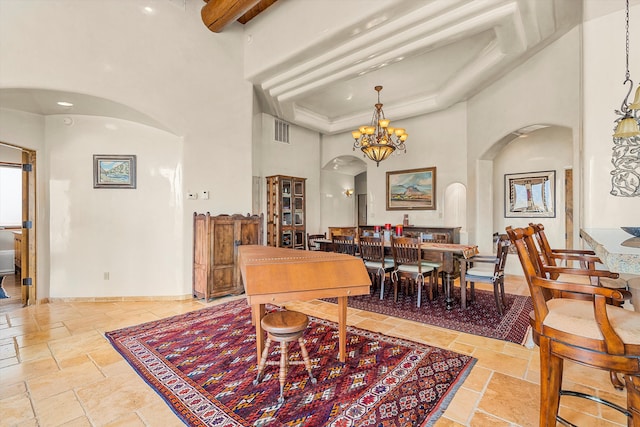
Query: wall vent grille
{"type": "Point", "coordinates": [281, 131]}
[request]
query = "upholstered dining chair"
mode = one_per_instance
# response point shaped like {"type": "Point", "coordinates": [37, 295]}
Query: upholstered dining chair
{"type": "Point", "coordinates": [485, 269]}
{"type": "Point", "coordinates": [587, 331]}
{"type": "Point", "coordinates": [344, 245]}
{"type": "Point", "coordinates": [378, 266]}
{"type": "Point", "coordinates": [408, 265]}
{"type": "Point", "coordinates": [311, 241]}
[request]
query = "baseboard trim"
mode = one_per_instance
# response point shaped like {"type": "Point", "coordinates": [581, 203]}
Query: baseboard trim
{"type": "Point", "coordinates": [119, 299]}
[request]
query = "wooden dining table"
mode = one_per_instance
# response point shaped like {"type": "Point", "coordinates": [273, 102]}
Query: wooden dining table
{"type": "Point", "coordinates": [445, 253]}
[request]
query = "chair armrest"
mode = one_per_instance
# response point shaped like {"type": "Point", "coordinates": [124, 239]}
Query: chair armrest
{"type": "Point", "coordinates": [612, 340]}
{"type": "Point", "coordinates": [576, 257]}
{"type": "Point", "coordinates": [616, 294]}
{"type": "Point", "coordinates": [581, 272]}
{"type": "Point", "coordinates": [573, 251]}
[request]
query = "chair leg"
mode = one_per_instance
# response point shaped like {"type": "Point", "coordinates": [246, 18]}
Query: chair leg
{"type": "Point", "coordinates": [263, 361]}
{"type": "Point", "coordinates": [305, 358]}
{"type": "Point", "coordinates": [420, 285]}
{"type": "Point", "coordinates": [633, 399]}
{"type": "Point", "coordinates": [283, 369]}
{"type": "Point", "coordinates": [382, 280]}
{"type": "Point", "coordinates": [497, 297]}
{"type": "Point", "coordinates": [550, 383]}
{"type": "Point", "coordinates": [463, 294]}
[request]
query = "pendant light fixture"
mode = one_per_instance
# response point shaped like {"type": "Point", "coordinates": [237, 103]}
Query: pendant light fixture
{"type": "Point", "coordinates": [379, 140]}
{"type": "Point", "coordinates": [625, 177]}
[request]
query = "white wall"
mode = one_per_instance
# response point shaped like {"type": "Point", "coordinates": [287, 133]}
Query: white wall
{"type": "Point", "coordinates": [543, 90]}
{"type": "Point", "coordinates": [167, 65]}
{"type": "Point", "coordinates": [338, 210]}
{"type": "Point", "coordinates": [604, 72]}
{"type": "Point", "coordinates": [434, 140]}
{"type": "Point", "coordinates": [299, 158]}
{"type": "Point", "coordinates": [132, 234]}
{"type": "Point", "coordinates": [529, 155]}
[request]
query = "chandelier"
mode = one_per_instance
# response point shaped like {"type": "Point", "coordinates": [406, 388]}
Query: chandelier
{"type": "Point", "coordinates": [379, 140]}
{"type": "Point", "coordinates": [625, 177]}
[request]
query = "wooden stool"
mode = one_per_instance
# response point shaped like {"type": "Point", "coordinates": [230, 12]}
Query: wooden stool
{"type": "Point", "coordinates": [284, 327]}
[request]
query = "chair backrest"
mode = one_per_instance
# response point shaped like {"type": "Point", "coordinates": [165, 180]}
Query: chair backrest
{"type": "Point", "coordinates": [311, 240]}
{"type": "Point", "coordinates": [435, 237]}
{"type": "Point", "coordinates": [501, 254]}
{"type": "Point", "coordinates": [371, 248]}
{"type": "Point", "coordinates": [406, 250]}
{"type": "Point", "coordinates": [528, 254]}
{"type": "Point", "coordinates": [344, 245]}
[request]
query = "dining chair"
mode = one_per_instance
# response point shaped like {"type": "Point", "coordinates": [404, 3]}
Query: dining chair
{"type": "Point", "coordinates": [485, 269]}
{"type": "Point", "coordinates": [588, 331]}
{"type": "Point", "coordinates": [378, 266]}
{"type": "Point", "coordinates": [311, 241]}
{"type": "Point", "coordinates": [344, 245]}
{"type": "Point", "coordinates": [408, 265]}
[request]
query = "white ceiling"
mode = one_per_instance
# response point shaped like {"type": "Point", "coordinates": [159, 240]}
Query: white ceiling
{"type": "Point", "coordinates": [431, 54]}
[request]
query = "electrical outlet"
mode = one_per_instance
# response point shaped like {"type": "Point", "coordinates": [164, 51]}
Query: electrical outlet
{"type": "Point", "coordinates": [204, 195]}
{"type": "Point", "coordinates": [192, 196]}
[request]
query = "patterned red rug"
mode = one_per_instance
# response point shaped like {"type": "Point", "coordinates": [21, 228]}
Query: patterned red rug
{"type": "Point", "coordinates": [203, 364]}
{"type": "Point", "coordinates": [480, 318]}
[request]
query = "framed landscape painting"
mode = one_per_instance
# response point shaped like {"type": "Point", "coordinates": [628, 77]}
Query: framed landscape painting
{"type": "Point", "coordinates": [114, 171]}
{"type": "Point", "coordinates": [411, 189]}
{"type": "Point", "coordinates": [530, 195]}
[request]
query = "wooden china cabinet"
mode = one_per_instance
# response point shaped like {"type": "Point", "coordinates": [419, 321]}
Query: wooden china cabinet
{"type": "Point", "coordinates": [286, 222]}
{"type": "Point", "coordinates": [215, 252]}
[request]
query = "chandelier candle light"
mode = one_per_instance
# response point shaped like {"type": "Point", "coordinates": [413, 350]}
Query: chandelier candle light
{"type": "Point", "coordinates": [625, 179]}
{"type": "Point", "coordinates": [379, 140]}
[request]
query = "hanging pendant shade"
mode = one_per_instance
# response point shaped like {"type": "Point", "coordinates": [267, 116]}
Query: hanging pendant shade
{"type": "Point", "coordinates": [627, 128]}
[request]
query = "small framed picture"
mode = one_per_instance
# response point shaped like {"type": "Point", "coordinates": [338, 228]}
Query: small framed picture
{"type": "Point", "coordinates": [530, 195]}
{"type": "Point", "coordinates": [114, 171]}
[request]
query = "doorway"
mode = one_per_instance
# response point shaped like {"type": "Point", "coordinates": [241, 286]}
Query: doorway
{"type": "Point", "coordinates": [21, 286]}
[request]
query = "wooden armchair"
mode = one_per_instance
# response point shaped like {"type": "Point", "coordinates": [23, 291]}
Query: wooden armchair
{"type": "Point", "coordinates": [311, 241]}
{"type": "Point", "coordinates": [587, 331]}
{"type": "Point", "coordinates": [587, 260]}
{"type": "Point", "coordinates": [344, 245]}
{"type": "Point", "coordinates": [471, 272]}
{"type": "Point", "coordinates": [372, 253]}
{"type": "Point", "coordinates": [407, 260]}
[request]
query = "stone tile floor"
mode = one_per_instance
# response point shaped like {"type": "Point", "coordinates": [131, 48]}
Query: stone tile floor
{"type": "Point", "coordinates": [57, 369]}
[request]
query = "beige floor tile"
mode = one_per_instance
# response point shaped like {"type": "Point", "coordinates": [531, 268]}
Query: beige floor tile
{"type": "Point", "coordinates": [114, 397]}
{"type": "Point", "coordinates": [77, 376]}
{"type": "Point", "coordinates": [128, 420]}
{"type": "Point", "coordinates": [158, 414]}
{"type": "Point", "coordinates": [511, 399]}
{"type": "Point", "coordinates": [500, 362]}
{"type": "Point", "coordinates": [481, 419]}
{"type": "Point", "coordinates": [15, 410]}
{"type": "Point", "coordinates": [58, 409]}
{"type": "Point", "coordinates": [463, 405]}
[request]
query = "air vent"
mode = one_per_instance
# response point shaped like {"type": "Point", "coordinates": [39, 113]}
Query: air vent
{"type": "Point", "coordinates": [281, 131]}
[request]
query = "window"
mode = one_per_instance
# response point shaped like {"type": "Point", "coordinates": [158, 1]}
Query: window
{"type": "Point", "coordinates": [10, 195]}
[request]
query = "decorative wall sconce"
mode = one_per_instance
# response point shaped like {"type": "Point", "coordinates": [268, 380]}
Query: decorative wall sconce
{"type": "Point", "coordinates": [625, 176]}
{"type": "Point", "coordinates": [348, 192]}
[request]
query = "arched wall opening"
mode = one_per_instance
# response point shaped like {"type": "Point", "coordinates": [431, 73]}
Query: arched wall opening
{"type": "Point", "coordinates": [530, 150]}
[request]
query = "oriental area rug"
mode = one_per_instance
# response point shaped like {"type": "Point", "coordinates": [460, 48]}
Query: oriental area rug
{"type": "Point", "coordinates": [203, 364]}
{"type": "Point", "coordinates": [479, 318]}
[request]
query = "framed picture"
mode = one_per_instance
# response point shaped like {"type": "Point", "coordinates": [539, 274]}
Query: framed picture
{"type": "Point", "coordinates": [530, 195]}
{"type": "Point", "coordinates": [114, 171]}
{"type": "Point", "coordinates": [412, 189]}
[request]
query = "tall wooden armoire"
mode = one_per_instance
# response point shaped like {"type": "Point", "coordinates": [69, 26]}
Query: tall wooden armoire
{"type": "Point", "coordinates": [215, 252]}
{"type": "Point", "coordinates": [286, 212]}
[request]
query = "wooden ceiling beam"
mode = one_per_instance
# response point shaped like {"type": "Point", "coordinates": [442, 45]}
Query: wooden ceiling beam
{"type": "Point", "coordinates": [217, 14]}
